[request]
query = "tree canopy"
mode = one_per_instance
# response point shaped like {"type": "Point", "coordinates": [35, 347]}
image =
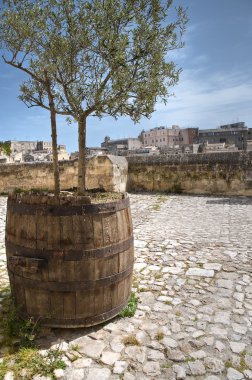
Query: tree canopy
{"type": "Point", "coordinates": [100, 57]}
{"type": "Point", "coordinates": [5, 147]}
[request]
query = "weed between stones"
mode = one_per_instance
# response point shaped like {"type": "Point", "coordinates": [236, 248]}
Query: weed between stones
{"type": "Point", "coordinates": [130, 340]}
{"type": "Point", "coordinates": [21, 357]}
{"type": "Point", "coordinates": [130, 309]}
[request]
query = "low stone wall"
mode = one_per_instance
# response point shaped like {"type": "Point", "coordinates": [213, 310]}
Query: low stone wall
{"type": "Point", "coordinates": [107, 172]}
{"type": "Point", "coordinates": [220, 173]}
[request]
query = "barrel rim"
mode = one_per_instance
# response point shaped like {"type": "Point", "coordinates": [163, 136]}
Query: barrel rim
{"type": "Point", "coordinates": [17, 206]}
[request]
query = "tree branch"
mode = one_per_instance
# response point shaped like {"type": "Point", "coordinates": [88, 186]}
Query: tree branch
{"type": "Point", "coordinates": [27, 71]}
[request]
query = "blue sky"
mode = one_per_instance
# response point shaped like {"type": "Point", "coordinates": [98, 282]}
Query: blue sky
{"type": "Point", "coordinates": [215, 86]}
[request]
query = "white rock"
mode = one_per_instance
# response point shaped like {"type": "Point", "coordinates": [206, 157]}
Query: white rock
{"type": "Point", "coordinates": [214, 266]}
{"type": "Point", "coordinates": [248, 374]}
{"type": "Point", "coordinates": [139, 266]}
{"type": "Point", "coordinates": [98, 374]}
{"type": "Point", "coordinates": [128, 376]}
{"type": "Point", "coordinates": [227, 284]}
{"type": "Point", "coordinates": [152, 369]}
{"type": "Point", "coordinates": [220, 346]}
{"type": "Point", "coordinates": [248, 361]}
{"type": "Point", "coordinates": [172, 270]}
{"type": "Point", "coordinates": [59, 373]}
{"type": "Point", "coordinates": [237, 347]}
{"type": "Point", "coordinates": [136, 353]}
{"type": "Point", "coordinates": [90, 347]}
{"type": "Point", "coordinates": [109, 357]}
{"type": "Point", "coordinates": [176, 301]}
{"type": "Point", "coordinates": [233, 374]}
{"type": "Point", "coordinates": [194, 302]}
{"type": "Point", "coordinates": [62, 346]}
{"type": "Point", "coordinates": [197, 368]}
{"type": "Point", "coordinates": [73, 374]}
{"type": "Point", "coordinates": [154, 268]}
{"type": "Point", "coordinates": [199, 272]}
{"type": "Point", "coordinates": [180, 371]}
{"type": "Point", "coordinates": [214, 365]}
{"type": "Point", "coordinates": [180, 281]}
{"type": "Point", "coordinates": [139, 243]}
{"type": "Point", "coordinates": [116, 344]}
{"type": "Point", "coordinates": [9, 375]}
{"type": "Point", "coordinates": [209, 340]}
{"type": "Point", "coordinates": [238, 328]}
{"type": "Point", "coordinates": [120, 367]}
{"type": "Point", "coordinates": [222, 317]}
{"type": "Point", "coordinates": [216, 330]}
{"type": "Point", "coordinates": [198, 354]}
{"type": "Point", "coordinates": [198, 333]}
{"type": "Point", "coordinates": [162, 307]}
{"type": "Point", "coordinates": [238, 296]}
{"type": "Point", "coordinates": [164, 298]}
{"type": "Point", "coordinates": [169, 342]}
{"type": "Point", "coordinates": [155, 355]}
{"type": "Point", "coordinates": [82, 363]}
{"type": "Point", "coordinates": [175, 327]}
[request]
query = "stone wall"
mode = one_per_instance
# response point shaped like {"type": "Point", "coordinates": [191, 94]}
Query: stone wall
{"type": "Point", "coordinates": [220, 173]}
{"type": "Point", "coordinates": [107, 172]}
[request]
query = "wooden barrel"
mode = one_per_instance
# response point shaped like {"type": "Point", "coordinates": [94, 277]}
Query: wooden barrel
{"type": "Point", "coordinates": [70, 263]}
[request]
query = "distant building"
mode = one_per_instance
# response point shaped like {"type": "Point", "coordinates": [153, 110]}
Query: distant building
{"type": "Point", "coordinates": [145, 151]}
{"type": "Point", "coordinates": [22, 146]}
{"type": "Point", "coordinates": [16, 157]}
{"type": "Point", "coordinates": [29, 151]}
{"type": "Point", "coordinates": [230, 134]}
{"type": "Point", "coordinates": [62, 156]}
{"type": "Point", "coordinates": [3, 159]}
{"type": "Point", "coordinates": [249, 145]}
{"type": "Point", "coordinates": [74, 155]}
{"type": "Point", "coordinates": [44, 146]}
{"type": "Point", "coordinates": [218, 147]}
{"type": "Point", "coordinates": [28, 158]}
{"type": "Point", "coordinates": [121, 147]}
{"type": "Point", "coordinates": [169, 137]}
{"type": "Point", "coordinates": [96, 151]}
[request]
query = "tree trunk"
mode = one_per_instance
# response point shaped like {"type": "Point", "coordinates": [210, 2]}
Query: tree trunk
{"type": "Point", "coordinates": [82, 155]}
{"type": "Point", "coordinates": [55, 152]}
{"type": "Point", "coordinates": [53, 135]}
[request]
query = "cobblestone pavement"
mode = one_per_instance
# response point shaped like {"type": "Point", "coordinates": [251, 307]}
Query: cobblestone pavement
{"type": "Point", "coordinates": [193, 275]}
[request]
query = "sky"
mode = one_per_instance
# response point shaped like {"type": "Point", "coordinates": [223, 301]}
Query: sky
{"type": "Point", "coordinates": [215, 86]}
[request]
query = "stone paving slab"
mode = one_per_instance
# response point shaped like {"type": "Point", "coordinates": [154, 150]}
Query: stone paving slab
{"type": "Point", "coordinates": [193, 275]}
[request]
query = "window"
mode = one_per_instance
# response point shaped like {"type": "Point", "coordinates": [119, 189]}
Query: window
{"type": "Point", "coordinates": [163, 139]}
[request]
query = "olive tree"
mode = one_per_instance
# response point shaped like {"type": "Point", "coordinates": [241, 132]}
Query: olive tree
{"type": "Point", "coordinates": [24, 38]}
{"type": "Point", "coordinates": [107, 57]}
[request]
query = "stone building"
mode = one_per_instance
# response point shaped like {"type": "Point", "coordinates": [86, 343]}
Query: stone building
{"type": "Point", "coordinates": [22, 146]}
{"type": "Point", "coordinates": [121, 147]}
{"type": "Point", "coordinates": [44, 146]}
{"type": "Point", "coordinates": [169, 137]}
{"type": "Point", "coordinates": [231, 134]}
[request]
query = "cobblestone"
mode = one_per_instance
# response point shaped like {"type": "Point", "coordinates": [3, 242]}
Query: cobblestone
{"type": "Point", "coordinates": [193, 275]}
